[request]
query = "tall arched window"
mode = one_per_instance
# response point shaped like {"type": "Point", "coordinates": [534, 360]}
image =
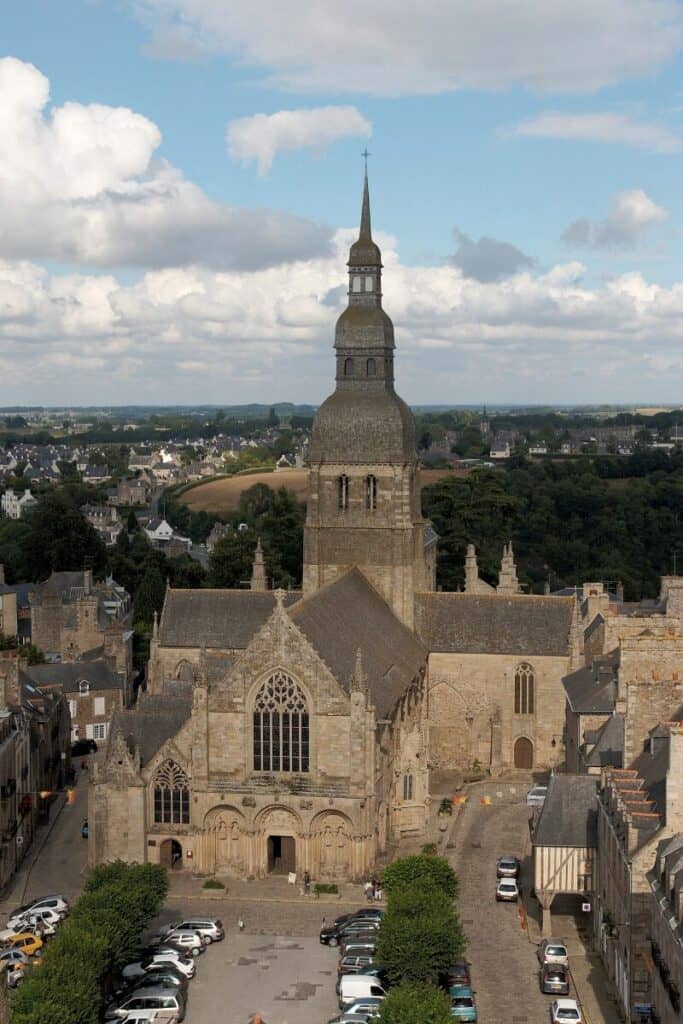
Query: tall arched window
{"type": "Point", "coordinates": [371, 492]}
{"type": "Point", "coordinates": [348, 367]}
{"type": "Point", "coordinates": [343, 492]}
{"type": "Point", "coordinates": [281, 739]}
{"type": "Point", "coordinates": [171, 795]}
{"type": "Point", "coordinates": [371, 367]}
{"type": "Point", "coordinates": [524, 689]}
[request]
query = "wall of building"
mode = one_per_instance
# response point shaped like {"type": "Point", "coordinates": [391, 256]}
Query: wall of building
{"type": "Point", "coordinates": [472, 721]}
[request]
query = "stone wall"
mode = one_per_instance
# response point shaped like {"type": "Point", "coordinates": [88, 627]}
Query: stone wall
{"type": "Point", "coordinates": [471, 711]}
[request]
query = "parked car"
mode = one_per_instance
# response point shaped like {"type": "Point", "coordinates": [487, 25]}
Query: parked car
{"type": "Point", "coordinates": [169, 1004]}
{"type": "Point", "coordinates": [358, 986]}
{"type": "Point", "coordinates": [536, 796]}
{"type": "Point", "coordinates": [141, 1017]}
{"type": "Point", "coordinates": [354, 963]}
{"type": "Point", "coordinates": [507, 867]}
{"type": "Point", "coordinates": [163, 975]}
{"type": "Point", "coordinates": [14, 956]}
{"type": "Point", "coordinates": [463, 1006]}
{"type": "Point", "coordinates": [140, 968]}
{"type": "Point", "coordinates": [553, 951]}
{"type": "Point", "coordinates": [565, 1011]}
{"type": "Point", "coordinates": [166, 947]}
{"type": "Point", "coordinates": [361, 949]}
{"type": "Point", "coordinates": [554, 979]}
{"type": "Point", "coordinates": [331, 935]}
{"type": "Point", "coordinates": [85, 829]}
{"type": "Point", "coordinates": [48, 919]}
{"type": "Point", "coordinates": [457, 974]}
{"type": "Point", "coordinates": [185, 939]}
{"type": "Point", "coordinates": [209, 928]}
{"type": "Point", "coordinates": [58, 903]}
{"type": "Point", "coordinates": [507, 889]}
{"type": "Point", "coordinates": [368, 1006]}
{"type": "Point", "coordinates": [27, 942]}
{"type": "Point", "coordinates": [81, 748]}
{"type": "Point", "coordinates": [366, 936]}
{"type": "Point", "coordinates": [354, 1018]}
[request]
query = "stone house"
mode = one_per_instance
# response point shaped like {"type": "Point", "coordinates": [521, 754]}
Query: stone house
{"type": "Point", "coordinates": [666, 930]}
{"type": "Point", "coordinates": [638, 807]}
{"type": "Point", "coordinates": [14, 505]}
{"type": "Point", "coordinates": [564, 841]}
{"type": "Point", "coordinates": [94, 691]}
{"type": "Point", "coordinates": [104, 519]}
{"type": "Point", "coordinates": [72, 614]}
{"type": "Point", "coordinates": [9, 625]}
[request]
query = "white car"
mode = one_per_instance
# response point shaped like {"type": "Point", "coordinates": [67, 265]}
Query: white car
{"type": "Point", "coordinates": [14, 956]}
{"type": "Point", "coordinates": [507, 890]}
{"type": "Point", "coordinates": [58, 903]}
{"type": "Point", "coordinates": [553, 951]}
{"type": "Point", "coordinates": [536, 796]}
{"type": "Point", "coordinates": [565, 1011]}
{"type": "Point", "coordinates": [140, 968]}
{"type": "Point", "coordinates": [184, 939]}
{"type": "Point", "coordinates": [49, 918]}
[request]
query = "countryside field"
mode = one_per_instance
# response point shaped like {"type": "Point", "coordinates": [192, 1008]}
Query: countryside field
{"type": "Point", "coordinates": [220, 496]}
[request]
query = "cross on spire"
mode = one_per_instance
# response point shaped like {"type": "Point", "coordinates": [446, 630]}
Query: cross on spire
{"type": "Point", "coordinates": [365, 156]}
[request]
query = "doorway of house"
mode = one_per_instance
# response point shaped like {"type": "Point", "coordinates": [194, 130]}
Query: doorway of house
{"type": "Point", "coordinates": [281, 855]}
{"type": "Point", "coordinates": [171, 854]}
{"type": "Point", "coordinates": [524, 753]}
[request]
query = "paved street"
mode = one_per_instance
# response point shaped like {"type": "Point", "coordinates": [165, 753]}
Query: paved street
{"type": "Point", "coordinates": [58, 856]}
{"type": "Point", "coordinates": [504, 964]}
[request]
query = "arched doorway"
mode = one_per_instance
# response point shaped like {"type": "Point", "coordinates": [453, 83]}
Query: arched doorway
{"type": "Point", "coordinates": [171, 854]}
{"type": "Point", "coordinates": [524, 753]}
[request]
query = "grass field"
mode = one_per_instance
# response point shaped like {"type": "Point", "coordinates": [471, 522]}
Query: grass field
{"type": "Point", "coordinates": [220, 496]}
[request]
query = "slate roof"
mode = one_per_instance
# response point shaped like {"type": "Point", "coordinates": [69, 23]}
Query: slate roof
{"type": "Point", "coordinates": [609, 745]}
{"type": "Point", "coordinates": [523, 625]}
{"type": "Point", "coordinates": [68, 674]}
{"type": "Point", "coordinates": [62, 583]}
{"type": "Point", "coordinates": [569, 816]}
{"type": "Point", "coordinates": [155, 719]}
{"type": "Point", "coordinates": [593, 689]}
{"type": "Point", "coordinates": [348, 614]}
{"type": "Point", "coordinates": [224, 619]}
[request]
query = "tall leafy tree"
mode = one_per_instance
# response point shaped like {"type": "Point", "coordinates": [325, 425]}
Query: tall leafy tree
{"type": "Point", "coordinates": [232, 559]}
{"type": "Point", "coordinates": [411, 1003]}
{"type": "Point", "coordinates": [149, 597]}
{"type": "Point", "coordinates": [420, 936]}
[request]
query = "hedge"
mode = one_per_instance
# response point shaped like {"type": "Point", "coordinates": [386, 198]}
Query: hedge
{"type": "Point", "coordinates": [101, 936]}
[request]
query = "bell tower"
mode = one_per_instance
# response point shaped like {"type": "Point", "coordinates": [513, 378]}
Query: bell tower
{"type": "Point", "coordinates": [364, 492]}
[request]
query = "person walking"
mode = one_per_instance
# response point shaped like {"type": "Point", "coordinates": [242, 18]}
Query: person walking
{"type": "Point", "coordinates": [307, 883]}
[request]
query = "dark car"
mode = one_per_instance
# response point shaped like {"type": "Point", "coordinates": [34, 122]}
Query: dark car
{"type": "Point", "coordinates": [457, 974]}
{"type": "Point", "coordinates": [81, 748]}
{"type": "Point", "coordinates": [554, 979]}
{"type": "Point", "coordinates": [332, 934]}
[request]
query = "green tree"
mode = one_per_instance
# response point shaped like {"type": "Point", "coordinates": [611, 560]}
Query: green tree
{"type": "Point", "coordinates": [420, 872]}
{"type": "Point", "coordinates": [411, 1003]}
{"type": "Point", "coordinates": [419, 936]}
{"type": "Point", "coordinates": [149, 597]}
{"type": "Point", "coordinates": [132, 522]}
{"type": "Point", "coordinates": [60, 538]}
{"type": "Point", "coordinates": [282, 531]}
{"type": "Point", "coordinates": [232, 559]}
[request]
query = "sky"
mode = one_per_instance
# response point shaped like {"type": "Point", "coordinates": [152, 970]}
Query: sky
{"type": "Point", "coordinates": [180, 181]}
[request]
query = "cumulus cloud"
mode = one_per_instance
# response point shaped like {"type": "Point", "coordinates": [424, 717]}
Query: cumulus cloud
{"type": "Point", "coordinates": [487, 259]}
{"type": "Point", "coordinates": [600, 127]}
{"type": "Point", "coordinates": [631, 215]}
{"type": "Point", "coordinates": [181, 333]}
{"type": "Point", "coordinates": [82, 184]}
{"type": "Point", "coordinates": [383, 48]}
{"type": "Point", "coordinates": [263, 136]}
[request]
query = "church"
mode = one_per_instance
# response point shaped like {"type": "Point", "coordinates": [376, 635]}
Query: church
{"type": "Point", "coordinates": [292, 731]}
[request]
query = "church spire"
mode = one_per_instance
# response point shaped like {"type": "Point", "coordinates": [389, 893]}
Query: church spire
{"type": "Point", "coordinates": [259, 580]}
{"type": "Point", "coordinates": [365, 228]}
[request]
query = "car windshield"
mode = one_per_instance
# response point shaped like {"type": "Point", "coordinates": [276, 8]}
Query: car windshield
{"type": "Point", "coordinates": [556, 950]}
{"type": "Point", "coordinates": [506, 863]}
{"type": "Point", "coordinates": [568, 1013]}
{"type": "Point", "coordinates": [463, 1001]}
{"type": "Point", "coordinates": [508, 886]}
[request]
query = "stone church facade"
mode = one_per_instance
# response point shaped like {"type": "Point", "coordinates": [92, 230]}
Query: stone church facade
{"type": "Point", "coordinates": [296, 731]}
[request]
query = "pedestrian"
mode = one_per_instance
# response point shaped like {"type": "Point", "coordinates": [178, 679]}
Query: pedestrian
{"type": "Point", "coordinates": [307, 883]}
{"type": "Point", "coordinates": [369, 891]}
{"type": "Point", "coordinates": [240, 924]}
{"type": "Point", "coordinates": [376, 886]}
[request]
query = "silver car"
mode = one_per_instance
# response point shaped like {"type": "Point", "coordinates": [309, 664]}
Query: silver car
{"type": "Point", "coordinates": [185, 939]}
{"type": "Point", "coordinates": [536, 796]}
{"type": "Point", "coordinates": [210, 928]}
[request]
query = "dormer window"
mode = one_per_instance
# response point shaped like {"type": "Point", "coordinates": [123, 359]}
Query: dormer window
{"type": "Point", "coordinates": [83, 687]}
